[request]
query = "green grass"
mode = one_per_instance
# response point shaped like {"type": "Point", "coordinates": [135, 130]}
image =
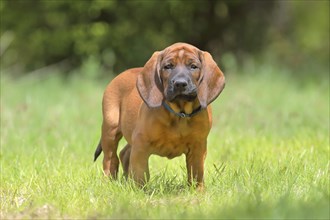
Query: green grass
{"type": "Point", "coordinates": [268, 153]}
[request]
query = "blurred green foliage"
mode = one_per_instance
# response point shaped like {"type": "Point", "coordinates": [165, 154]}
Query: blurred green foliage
{"type": "Point", "coordinates": [119, 34]}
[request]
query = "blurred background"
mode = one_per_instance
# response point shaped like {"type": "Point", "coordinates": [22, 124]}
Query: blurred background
{"type": "Point", "coordinates": [268, 154]}
{"type": "Point", "coordinates": [38, 36]}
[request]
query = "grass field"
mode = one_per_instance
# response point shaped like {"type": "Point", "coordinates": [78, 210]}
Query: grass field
{"type": "Point", "coordinates": [268, 153]}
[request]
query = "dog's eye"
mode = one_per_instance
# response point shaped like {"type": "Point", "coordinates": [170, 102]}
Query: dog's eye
{"type": "Point", "coordinates": [168, 66]}
{"type": "Point", "coordinates": [193, 66]}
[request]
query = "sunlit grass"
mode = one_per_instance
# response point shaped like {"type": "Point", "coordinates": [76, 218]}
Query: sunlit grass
{"type": "Point", "coordinates": [268, 153]}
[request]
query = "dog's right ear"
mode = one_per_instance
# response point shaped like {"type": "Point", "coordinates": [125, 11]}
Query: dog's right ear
{"type": "Point", "coordinates": [149, 83]}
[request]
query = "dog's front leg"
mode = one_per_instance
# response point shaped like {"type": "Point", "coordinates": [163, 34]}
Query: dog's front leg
{"type": "Point", "coordinates": [138, 165]}
{"type": "Point", "coordinates": [195, 164]}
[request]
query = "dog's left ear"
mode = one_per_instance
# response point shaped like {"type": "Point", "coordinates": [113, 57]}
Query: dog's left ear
{"type": "Point", "coordinates": [149, 83]}
{"type": "Point", "coordinates": [212, 81]}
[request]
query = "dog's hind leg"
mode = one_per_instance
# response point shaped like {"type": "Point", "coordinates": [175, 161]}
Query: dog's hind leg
{"type": "Point", "coordinates": [124, 158]}
{"type": "Point", "coordinates": [109, 143]}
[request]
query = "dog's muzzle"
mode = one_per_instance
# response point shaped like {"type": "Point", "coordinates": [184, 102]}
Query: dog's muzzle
{"type": "Point", "coordinates": [181, 89]}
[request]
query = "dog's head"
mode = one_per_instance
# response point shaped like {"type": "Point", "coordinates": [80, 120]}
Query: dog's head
{"type": "Point", "coordinates": [180, 72]}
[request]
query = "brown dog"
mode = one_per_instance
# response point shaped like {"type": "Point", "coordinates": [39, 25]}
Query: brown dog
{"type": "Point", "coordinates": [163, 109]}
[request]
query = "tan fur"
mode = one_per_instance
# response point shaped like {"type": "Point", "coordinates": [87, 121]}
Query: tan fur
{"type": "Point", "coordinates": [132, 107]}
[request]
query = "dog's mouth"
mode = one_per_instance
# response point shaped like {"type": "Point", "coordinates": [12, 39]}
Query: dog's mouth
{"type": "Point", "coordinates": [188, 98]}
{"type": "Point", "coordinates": [182, 97]}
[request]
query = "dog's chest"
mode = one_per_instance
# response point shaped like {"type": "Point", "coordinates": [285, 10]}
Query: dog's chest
{"type": "Point", "coordinates": [175, 140]}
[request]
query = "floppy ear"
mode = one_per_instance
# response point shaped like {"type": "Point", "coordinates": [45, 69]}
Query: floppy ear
{"type": "Point", "coordinates": [149, 83]}
{"type": "Point", "coordinates": [212, 82]}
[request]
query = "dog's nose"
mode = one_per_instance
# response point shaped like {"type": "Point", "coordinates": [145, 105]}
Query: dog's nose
{"type": "Point", "coordinates": [180, 84]}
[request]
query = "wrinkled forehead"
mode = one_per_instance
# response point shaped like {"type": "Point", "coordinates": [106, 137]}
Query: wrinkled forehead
{"type": "Point", "coordinates": [180, 54]}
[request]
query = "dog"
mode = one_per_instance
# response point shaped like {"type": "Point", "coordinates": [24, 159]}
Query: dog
{"type": "Point", "coordinates": [162, 108]}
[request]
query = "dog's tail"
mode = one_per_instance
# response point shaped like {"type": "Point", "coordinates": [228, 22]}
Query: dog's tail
{"type": "Point", "coordinates": [97, 151]}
